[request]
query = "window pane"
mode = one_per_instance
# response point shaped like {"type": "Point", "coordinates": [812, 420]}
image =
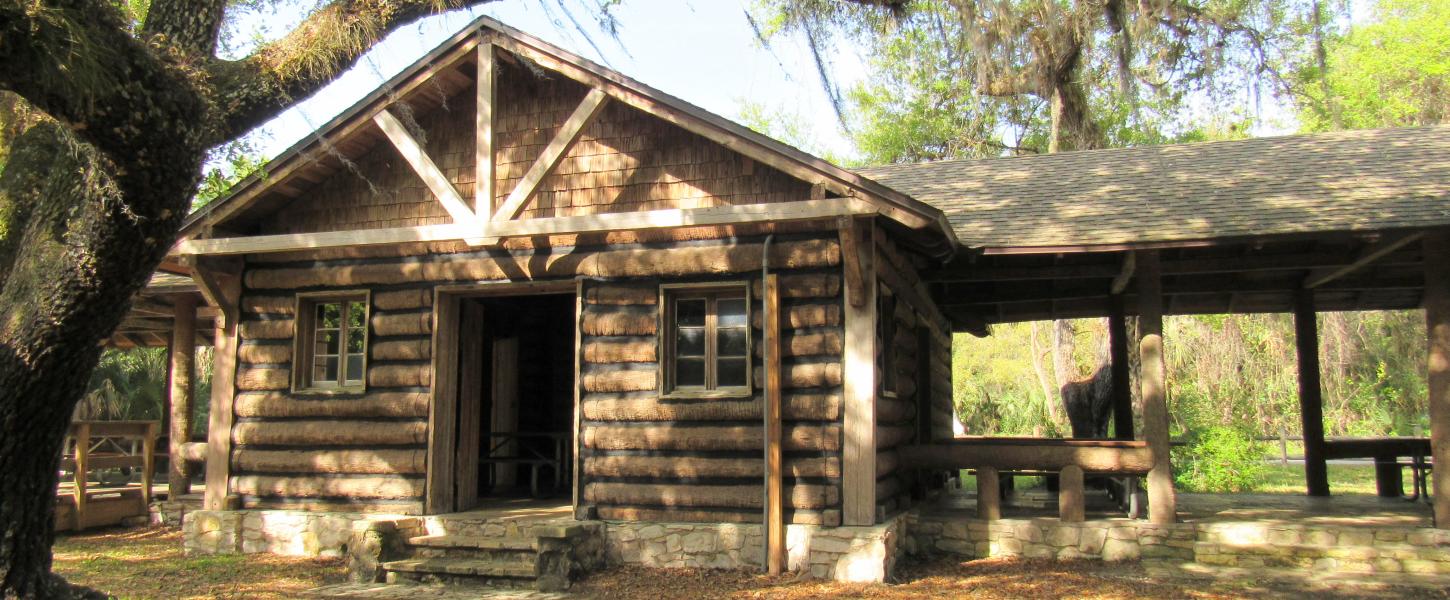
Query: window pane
{"type": "Point", "coordinates": [690, 341]}
{"type": "Point", "coordinates": [354, 368]}
{"type": "Point", "coordinates": [690, 313]}
{"type": "Point", "coordinates": [355, 339]}
{"type": "Point", "coordinates": [730, 342]}
{"type": "Point", "coordinates": [326, 343]}
{"type": "Point", "coordinates": [730, 373]}
{"type": "Point", "coordinates": [326, 370]}
{"type": "Point", "coordinates": [690, 372]}
{"type": "Point", "coordinates": [329, 316]}
{"type": "Point", "coordinates": [732, 312]}
{"type": "Point", "coordinates": [356, 313]}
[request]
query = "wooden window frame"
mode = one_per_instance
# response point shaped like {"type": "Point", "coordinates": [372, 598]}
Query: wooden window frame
{"type": "Point", "coordinates": [304, 341]}
{"type": "Point", "coordinates": [886, 326]}
{"type": "Point", "coordinates": [670, 292]}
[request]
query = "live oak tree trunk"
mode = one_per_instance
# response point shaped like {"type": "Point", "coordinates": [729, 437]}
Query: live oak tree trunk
{"type": "Point", "coordinates": [91, 197]}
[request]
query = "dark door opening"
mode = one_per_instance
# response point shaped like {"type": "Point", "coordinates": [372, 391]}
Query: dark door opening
{"type": "Point", "coordinates": [516, 397]}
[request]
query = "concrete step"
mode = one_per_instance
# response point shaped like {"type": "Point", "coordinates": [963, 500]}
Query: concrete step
{"type": "Point", "coordinates": [461, 571]}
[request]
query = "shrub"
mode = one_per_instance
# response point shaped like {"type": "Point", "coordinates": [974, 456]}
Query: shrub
{"type": "Point", "coordinates": [1220, 459]}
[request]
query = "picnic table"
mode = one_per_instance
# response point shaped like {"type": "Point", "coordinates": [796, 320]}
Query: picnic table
{"type": "Point", "coordinates": [1387, 453]}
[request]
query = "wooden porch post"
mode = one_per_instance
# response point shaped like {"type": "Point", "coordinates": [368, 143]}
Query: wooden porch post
{"type": "Point", "coordinates": [1437, 327]}
{"type": "Point", "coordinates": [180, 391]}
{"type": "Point", "coordinates": [1118, 354]}
{"type": "Point", "coordinates": [1311, 399]}
{"type": "Point", "coordinates": [1162, 503]}
{"type": "Point", "coordinates": [858, 476]}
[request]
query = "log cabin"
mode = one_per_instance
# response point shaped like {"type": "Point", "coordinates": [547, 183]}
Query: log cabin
{"type": "Point", "coordinates": [510, 268]}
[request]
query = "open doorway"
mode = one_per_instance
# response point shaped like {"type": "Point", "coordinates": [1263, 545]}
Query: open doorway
{"type": "Point", "coordinates": [511, 391]}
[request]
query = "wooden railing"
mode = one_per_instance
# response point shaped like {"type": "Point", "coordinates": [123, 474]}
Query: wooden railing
{"type": "Point", "coordinates": [98, 445]}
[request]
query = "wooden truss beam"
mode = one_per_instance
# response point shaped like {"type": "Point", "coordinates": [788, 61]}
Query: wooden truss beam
{"type": "Point", "coordinates": [565, 139]}
{"type": "Point", "coordinates": [800, 210]}
{"type": "Point", "coordinates": [483, 131]}
{"type": "Point", "coordinates": [1369, 254]}
{"type": "Point", "coordinates": [424, 166]}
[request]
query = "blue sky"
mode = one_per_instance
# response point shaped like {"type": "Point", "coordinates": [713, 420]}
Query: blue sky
{"type": "Point", "coordinates": [702, 50]}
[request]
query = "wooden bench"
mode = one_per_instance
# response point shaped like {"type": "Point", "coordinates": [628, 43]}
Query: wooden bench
{"type": "Point", "coordinates": [535, 460]}
{"type": "Point", "coordinates": [92, 446]}
{"type": "Point", "coordinates": [1388, 468]}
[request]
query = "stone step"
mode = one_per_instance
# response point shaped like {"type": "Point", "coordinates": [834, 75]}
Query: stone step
{"type": "Point", "coordinates": [1394, 558]}
{"type": "Point", "coordinates": [472, 541]}
{"type": "Point", "coordinates": [461, 570]}
{"type": "Point", "coordinates": [1306, 580]}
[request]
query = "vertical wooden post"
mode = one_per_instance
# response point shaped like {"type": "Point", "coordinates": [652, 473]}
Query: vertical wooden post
{"type": "Point", "coordinates": [1071, 503]}
{"type": "Point", "coordinates": [181, 391]}
{"type": "Point", "coordinates": [1122, 385]}
{"type": "Point", "coordinates": [470, 403]}
{"type": "Point", "coordinates": [1437, 327]}
{"type": "Point", "coordinates": [774, 486]}
{"type": "Point", "coordinates": [1162, 503]}
{"type": "Point", "coordinates": [439, 494]}
{"type": "Point", "coordinates": [219, 424]}
{"type": "Point", "coordinates": [580, 512]}
{"type": "Point", "coordinates": [148, 462]}
{"type": "Point", "coordinates": [858, 476]}
{"type": "Point", "coordinates": [483, 196]}
{"type": "Point", "coordinates": [505, 406]}
{"type": "Point", "coordinates": [82, 473]}
{"type": "Point", "coordinates": [1311, 399]}
{"type": "Point", "coordinates": [989, 494]}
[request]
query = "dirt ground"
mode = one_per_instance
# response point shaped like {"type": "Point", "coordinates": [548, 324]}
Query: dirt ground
{"type": "Point", "coordinates": [149, 563]}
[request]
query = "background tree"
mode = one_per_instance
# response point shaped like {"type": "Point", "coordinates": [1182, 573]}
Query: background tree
{"type": "Point", "coordinates": [127, 99]}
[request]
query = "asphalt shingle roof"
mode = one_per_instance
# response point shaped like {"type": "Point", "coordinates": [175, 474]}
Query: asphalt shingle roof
{"type": "Point", "coordinates": [1343, 181]}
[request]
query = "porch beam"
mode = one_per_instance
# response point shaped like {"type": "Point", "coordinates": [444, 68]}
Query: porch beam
{"type": "Point", "coordinates": [224, 280]}
{"type": "Point", "coordinates": [1311, 397]}
{"type": "Point", "coordinates": [799, 210]}
{"type": "Point", "coordinates": [565, 139]}
{"type": "Point", "coordinates": [181, 393]}
{"type": "Point", "coordinates": [423, 165]}
{"type": "Point", "coordinates": [1437, 327]}
{"type": "Point", "coordinates": [1162, 503]}
{"type": "Point", "coordinates": [1366, 256]}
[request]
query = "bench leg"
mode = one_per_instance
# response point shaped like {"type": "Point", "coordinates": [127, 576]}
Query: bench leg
{"type": "Point", "coordinates": [1135, 498]}
{"type": "Point", "coordinates": [1388, 479]}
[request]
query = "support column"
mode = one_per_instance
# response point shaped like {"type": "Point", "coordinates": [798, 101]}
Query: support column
{"type": "Point", "coordinates": [858, 395]}
{"type": "Point", "coordinates": [1437, 326]}
{"type": "Point", "coordinates": [181, 392]}
{"type": "Point", "coordinates": [989, 494]}
{"type": "Point", "coordinates": [1122, 380]}
{"type": "Point", "coordinates": [1162, 503]}
{"type": "Point", "coordinates": [1311, 398]}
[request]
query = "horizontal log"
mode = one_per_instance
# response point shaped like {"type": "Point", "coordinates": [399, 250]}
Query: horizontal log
{"type": "Point", "coordinates": [801, 316]}
{"type": "Point", "coordinates": [621, 294]}
{"type": "Point", "coordinates": [620, 380]}
{"type": "Point", "coordinates": [887, 462]}
{"type": "Point", "coordinates": [400, 375]}
{"type": "Point", "coordinates": [682, 467]}
{"type": "Point", "coordinates": [254, 379]}
{"type": "Point", "coordinates": [807, 285]}
{"type": "Point", "coordinates": [362, 505]}
{"type": "Point", "coordinates": [417, 349]}
{"type": "Point", "coordinates": [827, 518]}
{"type": "Point", "coordinates": [724, 437]}
{"type": "Point", "coordinates": [272, 354]}
{"type": "Point", "coordinates": [377, 404]}
{"type": "Point", "coordinates": [887, 487]}
{"type": "Point", "coordinates": [1026, 456]}
{"type": "Point", "coordinates": [403, 299]}
{"type": "Point", "coordinates": [330, 433]}
{"type": "Point", "coordinates": [804, 375]}
{"type": "Point", "coordinates": [664, 262]}
{"type": "Point", "coordinates": [377, 487]}
{"type": "Point", "coordinates": [794, 407]}
{"type": "Point", "coordinates": [280, 305]}
{"type": "Point", "coordinates": [890, 436]}
{"type": "Point", "coordinates": [276, 329]}
{"type": "Point", "coordinates": [811, 343]}
{"type": "Point", "coordinates": [632, 349]}
{"type": "Point", "coordinates": [619, 320]}
{"type": "Point", "coordinates": [378, 461]}
{"type": "Point", "coordinates": [894, 410]}
{"type": "Point", "coordinates": [719, 496]}
{"type": "Point", "coordinates": [414, 323]}
{"type": "Point", "coordinates": [192, 452]}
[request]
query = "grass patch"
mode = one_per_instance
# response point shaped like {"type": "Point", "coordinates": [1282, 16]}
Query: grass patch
{"type": "Point", "coordinates": [149, 563]}
{"type": "Point", "coordinates": [1343, 479]}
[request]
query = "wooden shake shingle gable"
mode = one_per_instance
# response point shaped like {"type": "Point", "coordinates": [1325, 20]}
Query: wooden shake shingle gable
{"type": "Point", "coordinates": [621, 156]}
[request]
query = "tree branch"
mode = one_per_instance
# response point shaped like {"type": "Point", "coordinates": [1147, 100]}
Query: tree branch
{"type": "Point", "coordinates": [254, 89]}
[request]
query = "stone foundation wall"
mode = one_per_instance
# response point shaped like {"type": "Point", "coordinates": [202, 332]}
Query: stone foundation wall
{"type": "Point", "coordinates": [858, 554]}
{"type": "Point", "coordinates": [284, 532]}
{"type": "Point", "coordinates": [1113, 540]}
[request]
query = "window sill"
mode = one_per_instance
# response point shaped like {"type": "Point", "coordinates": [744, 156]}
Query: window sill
{"type": "Point", "coordinates": [708, 395]}
{"type": "Point", "coordinates": [326, 392]}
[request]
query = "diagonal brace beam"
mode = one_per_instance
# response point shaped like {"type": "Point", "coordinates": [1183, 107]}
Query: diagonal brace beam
{"type": "Point", "coordinates": [568, 134]}
{"type": "Point", "coordinates": [429, 172]}
{"type": "Point", "coordinates": [1369, 254]}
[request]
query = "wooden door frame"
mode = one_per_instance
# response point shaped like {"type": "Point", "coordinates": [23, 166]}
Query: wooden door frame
{"type": "Point", "coordinates": [440, 490]}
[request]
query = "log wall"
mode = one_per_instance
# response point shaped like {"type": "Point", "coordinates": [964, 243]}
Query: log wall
{"type": "Point", "coordinates": [648, 457]}
{"type": "Point", "coordinates": [625, 160]}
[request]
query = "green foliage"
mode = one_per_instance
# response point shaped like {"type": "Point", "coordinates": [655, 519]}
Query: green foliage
{"type": "Point", "coordinates": [1392, 71]}
{"type": "Point", "coordinates": [233, 162]}
{"type": "Point", "coordinates": [131, 385]}
{"type": "Point", "coordinates": [1220, 459]}
{"type": "Point", "coordinates": [785, 126]}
